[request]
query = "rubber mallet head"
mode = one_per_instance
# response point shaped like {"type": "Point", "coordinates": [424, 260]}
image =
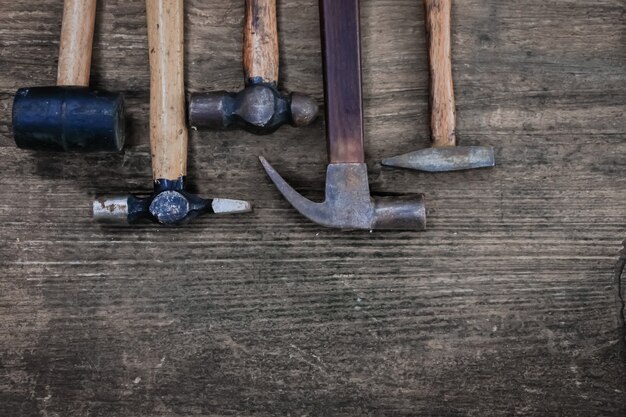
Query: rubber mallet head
{"type": "Point", "coordinates": [259, 108]}
{"type": "Point", "coordinates": [170, 203]}
{"type": "Point", "coordinates": [70, 117]}
{"type": "Point", "coordinates": [348, 204]}
{"type": "Point", "coordinates": [444, 155]}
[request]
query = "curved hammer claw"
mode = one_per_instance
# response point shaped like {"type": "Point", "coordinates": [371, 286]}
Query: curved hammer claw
{"type": "Point", "coordinates": [348, 204]}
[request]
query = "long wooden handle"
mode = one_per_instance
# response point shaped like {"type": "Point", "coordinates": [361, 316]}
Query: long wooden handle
{"type": "Point", "coordinates": [168, 130]}
{"type": "Point", "coordinates": [79, 20]}
{"type": "Point", "coordinates": [260, 42]}
{"type": "Point", "coordinates": [443, 111]}
{"type": "Point", "coordinates": [342, 80]}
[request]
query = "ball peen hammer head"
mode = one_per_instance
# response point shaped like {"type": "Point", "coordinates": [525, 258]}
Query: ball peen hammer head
{"type": "Point", "coordinates": [453, 158]}
{"type": "Point", "coordinates": [169, 205]}
{"type": "Point", "coordinates": [259, 108]}
{"type": "Point", "coordinates": [349, 205]}
{"type": "Point", "coordinates": [70, 119]}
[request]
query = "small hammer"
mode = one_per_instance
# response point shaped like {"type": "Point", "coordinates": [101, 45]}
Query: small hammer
{"type": "Point", "coordinates": [169, 204]}
{"type": "Point", "coordinates": [444, 155]}
{"type": "Point", "coordinates": [348, 203]}
{"type": "Point", "coordinates": [259, 108]}
{"type": "Point", "coordinates": [70, 117]}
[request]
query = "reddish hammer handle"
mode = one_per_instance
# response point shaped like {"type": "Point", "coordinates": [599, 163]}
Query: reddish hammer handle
{"type": "Point", "coordinates": [79, 17]}
{"type": "Point", "coordinates": [260, 42]}
{"type": "Point", "coordinates": [443, 111]}
{"type": "Point", "coordinates": [342, 80]}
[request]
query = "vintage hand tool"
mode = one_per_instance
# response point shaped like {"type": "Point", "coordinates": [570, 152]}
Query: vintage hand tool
{"type": "Point", "coordinates": [70, 117]}
{"type": "Point", "coordinates": [348, 203]}
{"type": "Point", "coordinates": [260, 108]}
{"type": "Point", "coordinates": [170, 203]}
{"type": "Point", "coordinates": [444, 155]}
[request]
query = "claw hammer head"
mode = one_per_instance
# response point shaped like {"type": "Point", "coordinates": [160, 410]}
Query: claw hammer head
{"type": "Point", "coordinates": [348, 204]}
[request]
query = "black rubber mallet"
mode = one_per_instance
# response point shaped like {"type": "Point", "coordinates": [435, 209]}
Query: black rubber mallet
{"type": "Point", "coordinates": [70, 116]}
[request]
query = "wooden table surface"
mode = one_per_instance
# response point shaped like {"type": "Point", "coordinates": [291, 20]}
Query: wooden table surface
{"type": "Point", "coordinates": [505, 306]}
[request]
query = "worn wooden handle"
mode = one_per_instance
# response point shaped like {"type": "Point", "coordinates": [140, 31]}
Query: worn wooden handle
{"type": "Point", "coordinates": [443, 111]}
{"type": "Point", "coordinates": [168, 131]}
{"type": "Point", "coordinates": [79, 19]}
{"type": "Point", "coordinates": [260, 42]}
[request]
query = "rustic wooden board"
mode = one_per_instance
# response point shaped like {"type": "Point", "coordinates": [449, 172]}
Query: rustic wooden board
{"type": "Point", "coordinates": [506, 306]}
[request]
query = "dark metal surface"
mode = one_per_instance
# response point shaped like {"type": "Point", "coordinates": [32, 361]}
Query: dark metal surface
{"type": "Point", "coordinates": [170, 205]}
{"type": "Point", "coordinates": [445, 159]}
{"type": "Point", "coordinates": [259, 108]}
{"type": "Point", "coordinates": [348, 204]}
{"type": "Point", "coordinates": [72, 119]}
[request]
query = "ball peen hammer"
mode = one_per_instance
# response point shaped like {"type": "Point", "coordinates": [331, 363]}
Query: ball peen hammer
{"type": "Point", "coordinates": [259, 108]}
{"type": "Point", "coordinates": [70, 116]}
{"type": "Point", "coordinates": [348, 203]}
{"type": "Point", "coordinates": [170, 204]}
{"type": "Point", "coordinates": [444, 155]}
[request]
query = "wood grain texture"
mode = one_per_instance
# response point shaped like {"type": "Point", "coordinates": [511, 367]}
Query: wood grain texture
{"type": "Point", "coordinates": [168, 122]}
{"type": "Point", "coordinates": [260, 42]}
{"type": "Point", "coordinates": [79, 19]}
{"type": "Point", "coordinates": [505, 306]}
{"type": "Point", "coordinates": [442, 103]}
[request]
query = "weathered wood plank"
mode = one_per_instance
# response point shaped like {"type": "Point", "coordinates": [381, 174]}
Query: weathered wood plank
{"type": "Point", "coordinates": [505, 306]}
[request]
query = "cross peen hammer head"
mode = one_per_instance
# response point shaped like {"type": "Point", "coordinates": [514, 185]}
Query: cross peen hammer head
{"type": "Point", "coordinates": [170, 205]}
{"type": "Point", "coordinates": [453, 158]}
{"type": "Point", "coordinates": [348, 204]}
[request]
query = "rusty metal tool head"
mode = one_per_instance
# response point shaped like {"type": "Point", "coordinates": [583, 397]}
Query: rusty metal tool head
{"type": "Point", "coordinates": [70, 116]}
{"type": "Point", "coordinates": [260, 108]}
{"type": "Point", "coordinates": [348, 204]}
{"type": "Point", "coordinates": [169, 204]}
{"type": "Point", "coordinates": [444, 155]}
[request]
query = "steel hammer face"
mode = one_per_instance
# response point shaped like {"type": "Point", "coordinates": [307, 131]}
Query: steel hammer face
{"type": "Point", "coordinates": [348, 204]}
{"type": "Point", "coordinates": [68, 119]}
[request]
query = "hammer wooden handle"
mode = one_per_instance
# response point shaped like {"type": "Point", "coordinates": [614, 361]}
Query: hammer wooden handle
{"type": "Point", "coordinates": [79, 18]}
{"type": "Point", "coordinates": [168, 131]}
{"type": "Point", "coordinates": [443, 111]}
{"type": "Point", "coordinates": [260, 42]}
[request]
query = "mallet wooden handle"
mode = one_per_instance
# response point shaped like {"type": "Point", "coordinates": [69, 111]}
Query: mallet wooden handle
{"type": "Point", "coordinates": [79, 18]}
{"type": "Point", "coordinates": [443, 111]}
{"type": "Point", "coordinates": [260, 42]}
{"type": "Point", "coordinates": [168, 130]}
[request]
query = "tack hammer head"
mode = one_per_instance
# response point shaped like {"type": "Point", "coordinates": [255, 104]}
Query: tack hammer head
{"type": "Point", "coordinates": [348, 204]}
{"type": "Point", "coordinates": [453, 158]}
